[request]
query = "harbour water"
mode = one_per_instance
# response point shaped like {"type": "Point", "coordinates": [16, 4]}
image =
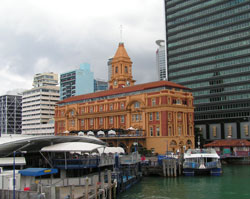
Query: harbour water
{"type": "Point", "coordinates": [233, 184]}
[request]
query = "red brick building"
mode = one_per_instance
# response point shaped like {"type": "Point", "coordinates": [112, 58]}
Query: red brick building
{"type": "Point", "coordinates": [159, 114]}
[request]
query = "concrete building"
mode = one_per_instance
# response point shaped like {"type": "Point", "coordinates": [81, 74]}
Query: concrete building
{"type": "Point", "coordinates": [10, 114]}
{"type": "Point", "coordinates": [100, 85]}
{"type": "Point", "coordinates": [77, 82]}
{"type": "Point", "coordinates": [159, 113]}
{"type": "Point", "coordinates": [38, 104]}
{"type": "Point", "coordinates": [160, 60]}
{"type": "Point", "coordinates": [208, 50]}
{"type": "Point", "coordinates": [109, 63]}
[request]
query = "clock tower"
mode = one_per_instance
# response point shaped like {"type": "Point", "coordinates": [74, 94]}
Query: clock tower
{"type": "Point", "coordinates": [121, 69]}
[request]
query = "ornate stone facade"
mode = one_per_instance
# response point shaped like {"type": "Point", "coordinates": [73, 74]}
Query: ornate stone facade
{"type": "Point", "coordinates": [160, 115]}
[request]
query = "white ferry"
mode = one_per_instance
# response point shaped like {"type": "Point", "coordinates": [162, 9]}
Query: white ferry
{"type": "Point", "coordinates": [201, 161]}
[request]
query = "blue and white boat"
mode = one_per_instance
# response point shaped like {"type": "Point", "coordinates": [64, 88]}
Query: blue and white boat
{"type": "Point", "coordinates": [201, 161]}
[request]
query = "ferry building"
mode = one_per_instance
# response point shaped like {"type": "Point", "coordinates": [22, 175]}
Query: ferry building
{"type": "Point", "coordinates": [158, 116]}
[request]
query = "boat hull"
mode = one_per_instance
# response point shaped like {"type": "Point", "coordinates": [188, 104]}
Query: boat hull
{"type": "Point", "coordinates": [195, 172]}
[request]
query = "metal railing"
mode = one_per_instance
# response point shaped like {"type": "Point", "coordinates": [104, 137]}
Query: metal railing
{"type": "Point", "coordinates": [207, 165]}
{"type": "Point", "coordinates": [130, 159]}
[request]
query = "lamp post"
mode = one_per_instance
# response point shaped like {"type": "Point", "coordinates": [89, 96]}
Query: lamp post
{"type": "Point", "coordinates": [14, 172]}
{"type": "Point", "coordinates": [14, 175]}
{"type": "Point", "coordinates": [135, 144]}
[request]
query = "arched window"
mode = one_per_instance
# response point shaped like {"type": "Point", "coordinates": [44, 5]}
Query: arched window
{"type": "Point", "coordinates": [137, 104]}
{"type": "Point", "coordinates": [173, 143]}
{"type": "Point", "coordinates": [116, 69]}
{"type": "Point", "coordinates": [126, 69]}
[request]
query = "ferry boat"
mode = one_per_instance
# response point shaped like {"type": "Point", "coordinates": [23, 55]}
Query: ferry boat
{"type": "Point", "coordinates": [201, 161]}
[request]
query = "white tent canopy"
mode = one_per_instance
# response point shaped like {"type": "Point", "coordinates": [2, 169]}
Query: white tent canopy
{"type": "Point", "coordinates": [90, 133]}
{"type": "Point", "coordinates": [111, 150]}
{"type": "Point", "coordinates": [66, 131]}
{"type": "Point", "coordinates": [81, 133]}
{"type": "Point", "coordinates": [71, 146]}
{"type": "Point", "coordinates": [111, 132]}
{"type": "Point", "coordinates": [131, 128]}
{"type": "Point", "coordinates": [100, 133]}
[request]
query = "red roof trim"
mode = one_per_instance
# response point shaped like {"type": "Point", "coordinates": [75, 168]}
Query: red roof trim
{"type": "Point", "coordinates": [228, 143]}
{"type": "Point", "coordinates": [128, 89]}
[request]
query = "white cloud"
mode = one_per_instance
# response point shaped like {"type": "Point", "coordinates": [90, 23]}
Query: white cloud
{"type": "Point", "coordinates": [10, 81]}
{"type": "Point", "coordinates": [56, 35]}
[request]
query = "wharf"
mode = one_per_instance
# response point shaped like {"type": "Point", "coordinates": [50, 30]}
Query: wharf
{"type": "Point", "coordinates": [167, 167]}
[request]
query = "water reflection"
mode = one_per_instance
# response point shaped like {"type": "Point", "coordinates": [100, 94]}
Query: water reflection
{"type": "Point", "coordinates": [233, 184]}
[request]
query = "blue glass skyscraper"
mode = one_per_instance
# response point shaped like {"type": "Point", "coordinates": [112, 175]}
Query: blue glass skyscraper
{"type": "Point", "coordinates": [77, 82]}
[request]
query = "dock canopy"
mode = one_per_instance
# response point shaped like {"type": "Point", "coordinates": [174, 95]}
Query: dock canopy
{"type": "Point", "coordinates": [100, 133]}
{"type": "Point", "coordinates": [13, 142]}
{"type": "Point", "coordinates": [71, 147]}
{"type": "Point", "coordinates": [90, 133]}
{"type": "Point", "coordinates": [111, 150]}
{"type": "Point", "coordinates": [10, 160]}
{"type": "Point", "coordinates": [111, 132]}
{"type": "Point", "coordinates": [37, 171]}
{"type": "Point", "coordinates": [80, 133]}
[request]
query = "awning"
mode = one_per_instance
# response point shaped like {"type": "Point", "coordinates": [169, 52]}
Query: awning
{"type": "Point", "coordinates": [37, 171]}
{"type": "Point", "coordinates": [90, 133]}
{"type": "Point", "coordinates": [80, 133]}
{"type": "Point", "coordinates": [111, 150]}
{"type": "Point", "coordinates": [111, 132]}
{"type": "Point", "coordinates": [71, 147]}
{"type": "Point", "coordinates": [10, 160]}
{"type": "Point", "coordinates": [100, 133]}
{"type": "Point", "coordinates": [131, 129]}
{"type": "Point", "coordinates": [10, 143]}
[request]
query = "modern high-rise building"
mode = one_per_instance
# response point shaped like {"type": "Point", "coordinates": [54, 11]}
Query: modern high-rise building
{"type": "Point", "coordinates": [160, 60]}
{"type": "Point", "coordinates": [100, 85]}
{"type": "Point", "coordinates": [109, 63]}
{"type": "Point", "coordinates": [38, 105]}
{"type": "Point", "coordinates": [208, 50]}
{"type": "Point", "coordinates": [10, 114]}
{"type": "Point", "coordinates": [77, 82]}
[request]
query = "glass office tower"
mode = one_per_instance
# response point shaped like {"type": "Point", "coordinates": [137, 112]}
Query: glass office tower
{"type": "Point", "coordinates": [208, 50]}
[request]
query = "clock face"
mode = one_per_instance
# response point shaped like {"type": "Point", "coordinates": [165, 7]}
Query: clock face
{"type": "Point", "coordinates": [128, 83]}
{"type": "Point", "coordinates": [115, 82]}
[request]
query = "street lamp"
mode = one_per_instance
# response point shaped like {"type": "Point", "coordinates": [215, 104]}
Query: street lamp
{"type": "Point", "coordinates": [14, 174]}
{"type": "Point", "coordinates": [135, 144]}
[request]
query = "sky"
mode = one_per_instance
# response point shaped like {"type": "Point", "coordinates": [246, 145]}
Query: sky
{"type": "Point", "coordinates": [58, 35]}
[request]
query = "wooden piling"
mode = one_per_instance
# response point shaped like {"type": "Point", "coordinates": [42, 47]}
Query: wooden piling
{"type": "Point", "coordinates": [179, 162]}
{"type": "Point", "coordinates": [175, 169]}
{"type": "Point", "coordinates": [171, 168]}
{"type": "Point", "coordinates": [168, 172]}
{"type": "Point", "coordinates": [86, 188]}
{"type": "Point", "coordinates": [95, 180]}
{"type": "Point", "coordinates": [109, 184]}
{"type": "Point", "coordinates": [164, 167]}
